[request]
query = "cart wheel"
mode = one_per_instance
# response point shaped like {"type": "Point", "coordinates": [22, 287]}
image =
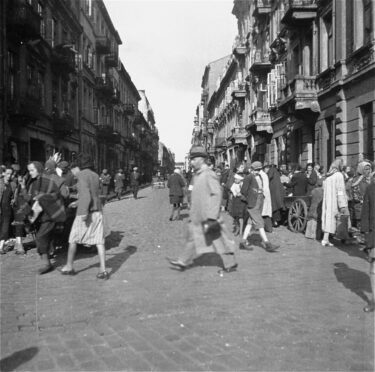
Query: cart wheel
{"type": "Point", "coordinates": [297, 216]}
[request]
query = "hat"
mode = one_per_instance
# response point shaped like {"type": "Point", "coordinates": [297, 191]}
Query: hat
{"type": "Point", "coordinates": [256, 165]}
{"type": "Point", "coordinates": [198, 152]}
{"type": "Point", "coordinates": [63, 165]}
{"type": "Point", "coordinates": [238, 177]}
{"type": "Point", "coordinates": [135, 168]}
{"type": "Point", "coordinates": [50, 165]}
{"type": "Point", "coordinates": [85, 161]}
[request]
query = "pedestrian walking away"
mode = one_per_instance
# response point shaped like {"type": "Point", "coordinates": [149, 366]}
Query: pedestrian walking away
{"type": "Point", "coordinates": [119, 183]}
{"type": "Point", "coordinates": [134, 182]}
{"type": "Point", "coordinates": [252, 191]}
{"type": "Point", "coordinates": [206, 229]}
{"type": "Point", "coordinates": [88, 225]}
{"type": "Point", "coordinates": [176, 186]}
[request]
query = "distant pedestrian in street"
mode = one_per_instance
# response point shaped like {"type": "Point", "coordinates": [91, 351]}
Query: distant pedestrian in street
{"type": "Point", "coordinates": [277, 195]}
{"type": "Point", "coordinates": [119, 183]}
{"type": "Point", "coordinates": [267, 202]}
{"type": "Point", "coordinates": [134, 182]}
{"type": "Point", "coordinates": [88, 225]}
{"type": "Point", "coordinates": [105, 180]}
{"type": "Point", "coordinates": [252, 191]}
{"type": "Point", "coordinates": [176, 186]}
{"type": "Point", "coordinates": [206, 229]}
{"type": "Point", "coordinates": [368, 228]}
{"type": "Point", "coordinates": [335, 200]}
{"type": "Point", "coordinates": [7, 191]}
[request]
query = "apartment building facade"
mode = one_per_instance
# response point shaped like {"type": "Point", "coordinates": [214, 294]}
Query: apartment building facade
{"type": "Point", "coordinates": [63, 87]}
{"type": "Point", "coordinates": [308, 68]}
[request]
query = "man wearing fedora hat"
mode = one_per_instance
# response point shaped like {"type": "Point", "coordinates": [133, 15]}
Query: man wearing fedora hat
{"type": "Point", "coordinates": [206, 229]}
{"type": "Point", "coordinates": [134, 181]}
{"type": "Point", "coordinates": [252, 190]}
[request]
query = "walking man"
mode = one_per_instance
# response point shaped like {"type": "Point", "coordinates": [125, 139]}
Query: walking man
{"type": "Point", "coordinates": [206, 229]}
{"type": "Point", "coordinates": [88, 227]}
{"type": "Point", "coordinates": [176, 186]}
{"type": "Point", "coordinates": [134, 182]}
{"type": "Point", "coordinates": [119, 183]}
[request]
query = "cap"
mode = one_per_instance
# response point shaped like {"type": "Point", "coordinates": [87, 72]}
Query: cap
{"type": "Point", "coordinates": [198, 152]}
{"type": "Point", "coordinates": [256, 165]}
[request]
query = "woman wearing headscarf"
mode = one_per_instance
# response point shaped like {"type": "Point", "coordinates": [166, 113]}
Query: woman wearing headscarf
{"type": "Point", "coordinates": [335, 201]}
{"type": "Point", "coordinates": [359, 185]}
{"type": "Point", "coordinates": [38, 186]}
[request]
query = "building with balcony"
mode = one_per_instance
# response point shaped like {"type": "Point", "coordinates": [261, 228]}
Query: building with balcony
{"type": "Point", "coordinates": [63, 87]}
{"type": "Point", "coordinates": [311, 70]}
{"type": "Point", "coordinates": [39, 83]}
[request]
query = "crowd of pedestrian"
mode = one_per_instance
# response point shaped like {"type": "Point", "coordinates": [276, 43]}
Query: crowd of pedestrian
{"type": "Point", "coordinates": [60, 205]}
{"type": "Point", "coordinates": [341, 205]}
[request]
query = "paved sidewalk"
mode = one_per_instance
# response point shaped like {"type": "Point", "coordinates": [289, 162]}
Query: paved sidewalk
{"type": "Point", "coordinates": [299, 309]}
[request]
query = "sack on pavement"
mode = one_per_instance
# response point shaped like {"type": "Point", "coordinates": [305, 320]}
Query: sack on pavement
{"type": "Point", "coordinates": [311, 228]}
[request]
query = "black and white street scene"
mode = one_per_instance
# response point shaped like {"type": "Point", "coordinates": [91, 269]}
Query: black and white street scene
{"type": "Point", "coordinates": [187, 185]}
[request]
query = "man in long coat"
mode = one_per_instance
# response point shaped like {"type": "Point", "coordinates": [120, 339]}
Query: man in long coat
{"type": "Point", "coordinates": [206, 230]}
{"type": "Point", "coordinates": [368, 227]}
{"type": "Point", "coordinates": [134, 181]}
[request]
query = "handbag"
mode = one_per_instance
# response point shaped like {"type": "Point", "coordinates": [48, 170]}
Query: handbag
{"type": "Point", "coordinates": [342, 226]}
{"type": "Point", "coordinates": [211, 230]}
{"type": "Point", "coordinates": [311, 228]}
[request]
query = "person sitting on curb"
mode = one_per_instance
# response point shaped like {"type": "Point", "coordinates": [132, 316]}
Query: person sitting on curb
{"type": "Point", "coordinates": [252, 191]}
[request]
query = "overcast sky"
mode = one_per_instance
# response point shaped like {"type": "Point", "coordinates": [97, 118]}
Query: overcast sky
{"type": "Point", "coordinates": [166, 46]}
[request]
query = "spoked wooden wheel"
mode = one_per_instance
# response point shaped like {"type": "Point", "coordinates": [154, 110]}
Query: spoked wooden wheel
{"type": "Point", "coordinates": [297, 216]}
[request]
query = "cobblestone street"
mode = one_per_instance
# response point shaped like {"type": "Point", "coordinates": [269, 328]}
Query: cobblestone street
{"type": "Point", "coordinates": [297, 309]}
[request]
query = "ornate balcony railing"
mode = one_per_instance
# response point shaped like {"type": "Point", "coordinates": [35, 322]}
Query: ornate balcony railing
{"type": "Point", "coordinates": [261, 118]}
{"type": "Point", "coordinates": [301, 91]}
{"type": "Point", "coordinates": [262, 7]}
{"type": "Point", "coordinates": [239, 89]}
{"type": "Point", "coordinates": [260, 62]}
{"type": "Point", "coordinates": [240, 46]}
{"type": "Point", "coordinates": [129, 109]}
{"type": "Point", "coordinates": [103, 45]}
{"type": "Point", "coordinates": [23, 20]}
{"type": "Point", "coordinates": [220, 142]}
{"type": "Point", "coordinates": [112, 60]}
{"type": "Point", "coordinates": [63, 59]}
{"type": "Point", "coordinates": [63, 123]}
{"type": "Point", "coordinates": [297, 12]}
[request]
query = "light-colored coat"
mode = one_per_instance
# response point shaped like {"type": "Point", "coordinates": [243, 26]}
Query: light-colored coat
{"type": "Point", "coordinates": [205, 204]}
{"type": "Point", "coordinates": [267, 203]}
{"type": "Point", "coordinates": [334, 198]}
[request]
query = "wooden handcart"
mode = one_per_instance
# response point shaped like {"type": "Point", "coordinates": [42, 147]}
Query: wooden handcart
{"type": "Point", "coordinates": [298, 207]}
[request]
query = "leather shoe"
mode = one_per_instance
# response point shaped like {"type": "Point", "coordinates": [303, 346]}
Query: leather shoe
{"type": "Point", "coordinates": [67, 272]}
{"type": "Point", "coordinates": [271, 247]}
{"type": "Point", "coordinates": [45, 269]}
{"type": "Point", "coordinates": [228, 270]}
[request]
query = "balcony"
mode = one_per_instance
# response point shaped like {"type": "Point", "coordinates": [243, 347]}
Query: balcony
{"type": "Point", "coordinates": [240, 46]}
{"type": "Point", "coordinates": [111, 60]}
{"type": "Point", "coordinates": [220, 143]}
{"type": "Point", "coordinates": [106, 91]}
{"type": "Point", "coordinates": [261, 119]}
{"type": "Point", "coordinates": [23, 21]}
{"type": "Point", "coordinates": [62, 123]}
{"type": "Point", "coordinates": [239, 90]}
{"type": "Point", "coordinates": [24, 109]}
{"type": "Point", "coordinates": [63, 59]}
{"type": "Point", "coordinates": [299, 12]}
{"type": "Point", "coordinates": [300, 92]}
{"type": "Point", "coordinates": [262, 7]}
{"type": "Point", "coordinates": [104, 131]}
{"type": "Point", "coordinates": [238, 136]}
{"type": "Point", "coordinates": [210, 128]}
{"type": "Point", "coordinates": [129, 109]}
{"type": "Point", "coordinates": [103, 45]}
{"type": "Point", "coordinates": [260, 63]}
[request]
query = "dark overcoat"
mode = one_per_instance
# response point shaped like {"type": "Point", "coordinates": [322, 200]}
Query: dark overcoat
{"type": "Point", "coordinates": [276, 189]}
{"type": "Point", "coordinates": [368, 215]}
